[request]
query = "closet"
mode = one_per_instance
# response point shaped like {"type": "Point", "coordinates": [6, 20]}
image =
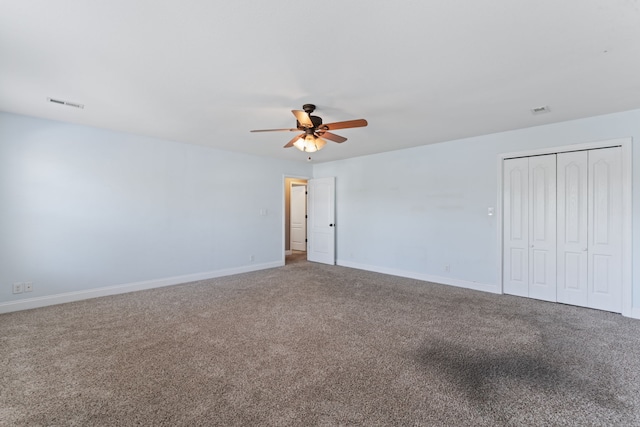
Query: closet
{"type": "Point", "coordinates": [562, 235]}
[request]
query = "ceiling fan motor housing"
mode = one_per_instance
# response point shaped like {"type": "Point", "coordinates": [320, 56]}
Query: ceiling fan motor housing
{"type": "Point", "coordinates": [317, 121]}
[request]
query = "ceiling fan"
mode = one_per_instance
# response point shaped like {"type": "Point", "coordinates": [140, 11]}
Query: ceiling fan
{"type": "Point", "coordinates": [314, 132]}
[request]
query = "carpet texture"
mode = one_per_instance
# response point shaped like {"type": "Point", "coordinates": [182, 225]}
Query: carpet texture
{"type": "Point", "coordinates": [310, 344]}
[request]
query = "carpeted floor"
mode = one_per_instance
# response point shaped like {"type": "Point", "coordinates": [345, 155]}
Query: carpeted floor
{"type": "Point", "coordinates": [309, 344]}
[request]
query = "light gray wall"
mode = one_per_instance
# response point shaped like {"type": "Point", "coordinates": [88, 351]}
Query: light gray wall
{"type": "Point", "coordinates": [84, 208]}
{"type": "Point", "coordinates": [413, 211]}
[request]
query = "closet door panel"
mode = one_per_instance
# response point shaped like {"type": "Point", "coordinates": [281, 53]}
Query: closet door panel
{"type": "Point", "coordinates": [605, 229]}
{"type": "Point", "coordinates": [516, 226]}
{"type": "Point", "coordinates": [572, 228]}
{"type": "Point", "coordinates": [542, 227]}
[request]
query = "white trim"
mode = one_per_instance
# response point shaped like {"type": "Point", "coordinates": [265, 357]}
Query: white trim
{"type": "Point", "coordinates": [565, 148]}
{"type": "Point", "coordinates": [627, 229]}
{"type": "Point", "coordinates": [477, 286]}
{"type": "Point", "coordinates": [499, 224]}
{"type": "Point", "coordinates": [626, 144]}
{"type": "Point", "coordinates": [25, 304]}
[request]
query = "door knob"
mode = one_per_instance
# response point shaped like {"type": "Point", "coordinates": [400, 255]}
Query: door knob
{"type": "Point", "coordinates": [330, 225]}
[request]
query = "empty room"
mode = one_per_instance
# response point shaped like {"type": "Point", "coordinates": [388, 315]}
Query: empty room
{"type": "Point", "coordinates": [333, 213]}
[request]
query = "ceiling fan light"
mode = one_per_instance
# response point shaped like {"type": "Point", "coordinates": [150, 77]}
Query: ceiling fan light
{"type": "Point", "coordinates": [299, 144]}
{"type": "Point", "coordinates": [306, 143]}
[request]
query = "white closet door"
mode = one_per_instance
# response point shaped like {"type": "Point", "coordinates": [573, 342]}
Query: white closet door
{"type": "Point", "coordinates": [516, 227]}
{"type": "Point", "coordinates": [542, 227]}
{"type": "Point", "coordinates": [572, 228]}
{"type": "Point", "coordinates": [605, 229]}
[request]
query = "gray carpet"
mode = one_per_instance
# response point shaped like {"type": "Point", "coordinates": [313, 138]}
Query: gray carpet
{"type": "Point", "coordinates": [308, 344]}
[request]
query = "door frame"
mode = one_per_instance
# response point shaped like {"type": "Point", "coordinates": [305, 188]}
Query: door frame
{"type": "Point", "coordinates": [284, 211]}
{"type": "Point", "coordinates": [627, 164]}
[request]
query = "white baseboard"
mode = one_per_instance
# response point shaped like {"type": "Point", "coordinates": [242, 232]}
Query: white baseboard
{"type": "Point", "coordinates": [494, 289]}
{"type": "Point", "coordinates": [635, 313]}
{"type": "Point", "coordinates": [43, 301]}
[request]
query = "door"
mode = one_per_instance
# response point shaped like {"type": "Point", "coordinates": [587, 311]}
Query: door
{"type": "Point", "coordinates": [572, 228]}
{"type": "Point", "coordinates": [563, 219]}
{"type": "Point", "coordinates": [298, 217]}
{"type": "Point", "coordinates": [529, 200]}
{"type": "Point", "coordinates": [516, 227]}
{"type": "Point", "coordinates": [604, 216]}
{"type": "Point", "coordinates": [542, 227]}
{"type": "Point", "coordinates": [321, 245]}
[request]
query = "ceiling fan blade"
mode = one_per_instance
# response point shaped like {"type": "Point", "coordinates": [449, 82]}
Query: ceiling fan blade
{"type": "Point", "coordinates": [275, 130]}
{"type": "Point", "coordinates": [295, 138]}
{"type": "Point", "coordinates": [344, 125]}
{"type": "Point", "coordinates": [303, 118]}
{"type": "Point", "coordinates": [332, 136]}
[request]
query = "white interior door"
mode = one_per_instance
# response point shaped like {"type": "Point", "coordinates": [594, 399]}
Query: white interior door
{"type": "Point", "coordinates": [572, 228]}
{"type": "Point", "coordinates": [605, 229]}
{"type": "Point", "coordinates": [516, 227]}
{"type": "Point", "coordinates": [321, 236]}
{"type": "Point", "coordinates": [542, 227]}
{"type": "Point", "coordinates": [297, 217]}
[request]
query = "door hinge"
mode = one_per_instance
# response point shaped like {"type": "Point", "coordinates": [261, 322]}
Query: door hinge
{"type": "Point", "coordinates": [306, 241]}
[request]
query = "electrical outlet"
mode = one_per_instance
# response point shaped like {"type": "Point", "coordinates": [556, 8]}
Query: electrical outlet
{"type": "Point", "coordinates": [447, 268]}
{"type": "Point", "coordinates": [18, 288]}
{"type": "Point", "coordinates": [28, 286]}
{"type": "Point", "coordinates": [251, 257]}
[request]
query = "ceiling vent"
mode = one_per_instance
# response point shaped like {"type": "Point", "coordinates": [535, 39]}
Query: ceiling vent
{"type": "Point", "coordinates": [540, 110]}
{"type": "Point", "coordinates": [61, 102]}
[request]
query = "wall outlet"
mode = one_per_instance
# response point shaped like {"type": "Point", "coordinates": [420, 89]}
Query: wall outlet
{"type": "Point", "coordinates": [251, 258]}
{"type": "Point", "coordinates": [447, 268]}
{"type": "Point", "coordinates": [28, 286]}
{"type": "Point", "coordinates": [18, 287]}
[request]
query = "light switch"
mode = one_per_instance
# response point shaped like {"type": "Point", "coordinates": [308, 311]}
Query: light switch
{"type": "Point", "coordinates": [490, 211]}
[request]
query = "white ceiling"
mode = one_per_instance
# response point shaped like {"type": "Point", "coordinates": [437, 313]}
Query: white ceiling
{"type": "Point", "coordinates": [420, 71]}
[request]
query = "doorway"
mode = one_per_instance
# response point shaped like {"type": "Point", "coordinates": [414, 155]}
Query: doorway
{"type": "Point", "coordinates": [295, 219]}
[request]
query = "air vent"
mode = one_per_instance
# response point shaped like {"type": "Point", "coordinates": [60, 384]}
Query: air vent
{"type": "Point", "coordinates": [540, 110]}
{"type": "Point", "coordinates": [61, 102]}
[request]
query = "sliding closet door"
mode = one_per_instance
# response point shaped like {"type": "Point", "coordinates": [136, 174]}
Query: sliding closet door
{"type": "Point", "coordinates": [542, 227]}
{"type": "Point", "coordinates": [605, 229]}
{"type": "Point", "coordinates": [516, 227]}
{"type": "Point", "coordinates": [572, 228]}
